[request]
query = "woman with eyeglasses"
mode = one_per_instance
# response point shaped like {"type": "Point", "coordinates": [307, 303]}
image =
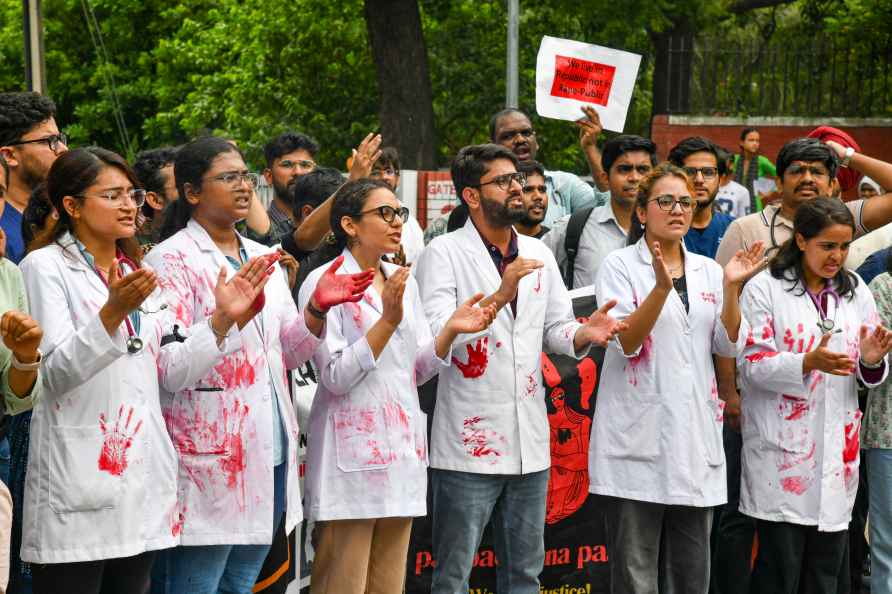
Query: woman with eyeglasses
{"type": "Point", "coordinates": [101, 487]}
{"type": "Point", "coordinates": [656, 443]}
{"type": "Point", "coordinates": [236, 431]}
{"type": "Point", "coordinates": [816, 333]}
{"type": "Point", "coordinates": [367, 451]}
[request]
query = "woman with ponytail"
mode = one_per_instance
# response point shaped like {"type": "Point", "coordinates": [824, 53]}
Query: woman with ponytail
{"type": "Point", "coordinates": [367, 451]}
{"type": "Point", "coordinates": [100, 491]}
{"type": "Point", "coordinates": [816, 333]}
{"type": "Point", "coordinates": [656, 443]}
{"type": "Point", "coordinates": [236, 430]}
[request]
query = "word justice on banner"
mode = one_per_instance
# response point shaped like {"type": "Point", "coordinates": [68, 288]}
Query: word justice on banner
{"type": "Point", "coordinates": [570, 74]}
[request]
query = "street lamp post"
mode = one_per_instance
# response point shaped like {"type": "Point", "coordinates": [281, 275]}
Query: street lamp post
{"type": "Point", "coordinates": [511, 75]}
{"type": "Point", "coordinates": [35, 75]}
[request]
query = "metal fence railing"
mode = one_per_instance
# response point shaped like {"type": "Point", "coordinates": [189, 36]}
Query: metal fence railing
{"type": "Point", "coordinates": [791, 77]}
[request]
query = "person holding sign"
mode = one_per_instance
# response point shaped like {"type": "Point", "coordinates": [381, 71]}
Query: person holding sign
{"type": "Point", "coordinates": [489, 442]}
{"type": "Point", "coordinates": [656, 443]}
{"type": "Point", "coordinates": [815, 334]}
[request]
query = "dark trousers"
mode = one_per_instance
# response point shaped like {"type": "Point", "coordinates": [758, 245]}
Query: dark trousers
{"type": "Point", "coordinates": [794, 558]}
{"type": "Point", "coordinates": [107, 576]}
{"type": "Point", "coordinates": [734, 532]}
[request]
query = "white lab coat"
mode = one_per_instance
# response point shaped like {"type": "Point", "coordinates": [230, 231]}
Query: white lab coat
{"type": "Point", "coordinates": [95, 492]}
{"type": "Point", "coordinates": [800, 432]}
{"type": "Point", "coordinates": [367, 448]}
{"type": "Point", "coordinates": [657, 430]}
{"type": "Point", "coordinates": [223, 429]}
{"type": "Point", "coordinates": [490, 416]}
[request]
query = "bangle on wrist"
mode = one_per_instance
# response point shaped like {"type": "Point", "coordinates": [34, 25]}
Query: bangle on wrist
{"type": "Point", "coordinates": [867, 365]}
{"type": "Point", "coordinates": [847, 157]}
{"type": "Point", "coordinates": [214, 330]}
{"type": "Point", "coordinates": [313, 311]}
{"type": "Point", "coordinates": [16, 364]}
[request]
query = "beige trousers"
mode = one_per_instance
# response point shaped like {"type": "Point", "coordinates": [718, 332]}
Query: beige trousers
{"type": "Point", "coordinates": [5, 532]}
{"type": "Point", "coordinates": [360, 556]}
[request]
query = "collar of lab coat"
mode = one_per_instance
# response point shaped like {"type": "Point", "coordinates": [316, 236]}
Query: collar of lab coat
{"type": "Point", "coordinates": [72, 256]}
{"type": "Point", "coordinates": [470, 240]}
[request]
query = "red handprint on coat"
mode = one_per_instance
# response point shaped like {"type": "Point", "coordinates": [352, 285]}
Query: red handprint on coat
{"type": "Point", "coordinates": [113, 456]}
{"type": "Point", "coordinates": [478, 357]}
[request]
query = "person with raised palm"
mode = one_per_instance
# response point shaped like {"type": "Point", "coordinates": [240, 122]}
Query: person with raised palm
{"type": "Point", "coordinates": [101, 488]}
{"type": "Point", "coordinates": [367, 451]}
{"type": "Point", "coordinates": [656, 442]}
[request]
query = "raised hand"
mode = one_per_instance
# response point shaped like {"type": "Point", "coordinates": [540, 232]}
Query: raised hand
{"type": "Point", "coordinates": [469, 318]}
{"type": "Point", "coordinates": [392, 296]}
{"type": "Point", "coordinates": [745, 264]}
{"type": "Point", "coordinates": [125, 295]}
{"type": "Point", "coordinates": [515, 271]}
{"type": "Point", "coordinates": [601, 327]}
{"type": "Point", "coordinates": [21, 335]}
{"type": "Point", "coordinates": [875, 345]}
{"type": "Point", "coordinates": [664, 279]}
{"type": "Point", "coordinates": [365, 156]}
{"type": "Point", "coordinates": [291, 266]}
{"type": "Point", "coordinates": [335, 289]}
{"type": "Point", "coordinates": [589, 127]}
{"type": "Point", "coordinates": [823, 359]}
{"type": "Point", "coordinates": [241, 298]}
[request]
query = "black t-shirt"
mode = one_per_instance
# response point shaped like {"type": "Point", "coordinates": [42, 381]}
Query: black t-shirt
{"type": "Point", "coordinates": [681, 287]}
{"type": "Point", "coordinates": [304, 258]}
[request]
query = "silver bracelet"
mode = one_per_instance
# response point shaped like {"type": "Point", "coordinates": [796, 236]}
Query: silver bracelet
{"type": "Point", "coordinates": [219, 336]}
{"type": "Point", "coordinates": [16, 364]}
{"type": "Point", "coordinates": [867, 365]}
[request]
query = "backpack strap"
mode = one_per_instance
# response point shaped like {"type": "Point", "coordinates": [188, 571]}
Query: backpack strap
{"type": "Point", "coordinates": [571, 240]}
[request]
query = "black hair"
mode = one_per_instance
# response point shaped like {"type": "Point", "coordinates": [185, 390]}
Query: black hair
{"type": "Point", "coordinates": [626, 143]}
{"type": "Point", "coordinates": [20, 112]}
{"type": "Point", "coordinates": [472, 162]}
{"type": "Point", "coordinates": [35, 215]}
{"type": "Point", "coordinates": [696, 144]}
{"type": "Point", "coordinates": [458, 216]}
{"type": "Point", "coordinates": [390, 157]}
{"type": "Point", "coordinates": [636, 230]}
{"type": "Point", "coordinates": [806, 149]}
{"type": "Point", "coordinates": [315, 187]}
{"type": "Point", "coordinates": [349, 201]}
{"type": "Point", "coordinates": [531, 167]}
{"type": "Point", "coordinates": [192, 162]}
{"type": "Point", "coordinates": [148, 166]}
{"type": "Point", "coordinates": [5, 167]}
{"type": "Point", "coordinates": [747, 131]}
{"type": "Point", "coordinates": [811, 218]}
{"type": "Point", "coordinates": [71, 174]}
{"type": "Point", "coordinates": [494, 120]}
{"type": "Point", "coordinates": [288, 142]}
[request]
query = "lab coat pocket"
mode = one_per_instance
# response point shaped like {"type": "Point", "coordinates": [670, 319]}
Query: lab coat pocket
{"type": "Point", "coordinates": [85, 472]}
{"type": "Point", "coordinates": [362, 439]}
{"type": "Point", "coordinates": [635, 427]}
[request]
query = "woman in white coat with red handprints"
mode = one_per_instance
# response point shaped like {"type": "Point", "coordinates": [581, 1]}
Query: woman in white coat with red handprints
{"type": "Point", "coordinates": [367, 451]}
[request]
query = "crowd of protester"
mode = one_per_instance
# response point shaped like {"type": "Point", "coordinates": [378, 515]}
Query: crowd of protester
{"type": "Point", "coordinates": [153, 311]}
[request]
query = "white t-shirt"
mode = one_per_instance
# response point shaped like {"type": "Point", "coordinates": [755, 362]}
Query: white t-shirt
{"type": "Point", "coordinates": [733, 199]}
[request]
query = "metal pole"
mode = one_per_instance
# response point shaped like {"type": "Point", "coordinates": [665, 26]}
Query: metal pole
{"type": "Point", "coordinates": [512, 76]}
{"type": "Point", "coordinates": [35, 72]}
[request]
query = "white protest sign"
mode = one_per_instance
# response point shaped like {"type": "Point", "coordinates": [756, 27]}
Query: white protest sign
{"type": "Point", "coordinates": [571, 74]}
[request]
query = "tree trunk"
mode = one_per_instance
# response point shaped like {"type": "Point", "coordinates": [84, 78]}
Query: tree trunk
{"type": "Point", "coordinates": [400, 56]}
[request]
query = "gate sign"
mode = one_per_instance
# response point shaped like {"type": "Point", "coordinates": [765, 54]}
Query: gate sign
{"type": "Point", "coordinates": [571, 74]}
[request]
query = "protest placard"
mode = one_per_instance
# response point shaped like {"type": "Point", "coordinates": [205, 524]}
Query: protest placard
{"type": "Point", "coordinates": [571, 74]}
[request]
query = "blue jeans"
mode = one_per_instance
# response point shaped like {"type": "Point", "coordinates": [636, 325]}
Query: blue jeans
{"type": "Point", "coordinates": [4, 461]}
{"type": "Point", "coordinates": [463, 504]}
{"type": "Point", "coordinates": [879, 477]}
{"type": "Point", "coordinates": [217, 569]}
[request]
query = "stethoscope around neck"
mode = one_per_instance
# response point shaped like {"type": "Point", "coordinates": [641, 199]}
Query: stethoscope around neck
{"type": "Point", "coordinates": [826, 324]}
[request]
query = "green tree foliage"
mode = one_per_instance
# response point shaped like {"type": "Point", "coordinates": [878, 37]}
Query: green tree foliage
{"type": "Point", "coordinates": [252, 68]}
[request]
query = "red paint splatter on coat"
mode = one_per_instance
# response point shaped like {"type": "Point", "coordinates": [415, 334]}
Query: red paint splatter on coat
{"type": "Point", "coordinates": [796, 485]}
{"type": "Point", "coordinates": [234, 459]}
{"type": "Point", "coordinates": [478, 357]}
{"type": "Point", "coordinates": [116, 442]}
{"type": "Point", "coordinates": [498, 344]}
{"type": "Point", "coordinates": [179, 519]}
{"type": "Point", "coordinates": [634, 364]}
{"type": "Point", "coordinates": [477, 440]}
{"type": "Point", "coordinates": [233, 372]}
{"type": "Point", "coordinates": [719, 403]}
{"type": "Point", "coordinates": [538, 287]}
{"type": "Point", "coordinates": [795, 407]}
{"type": "Point", "coordinates": [851, 449]}
{"type": "Point", "coordinates": [355, 312]}
{"type": "Point", "coordinates": [750, 341]}
{"type": "Point", "coordinates": [756, 357]}
{"type": "Point", "coordinates": [792, 459]}
{"type": "Point", "coordinates": [532, 385]}
{"type": "Point", "coordinates": [768, 329]}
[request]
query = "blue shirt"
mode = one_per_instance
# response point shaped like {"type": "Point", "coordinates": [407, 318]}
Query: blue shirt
{"type": "Point", "coordinates": [567, 193]}
{"type": "Point", "coordinates": [11, 221]}
{"type": "Point", "coordinates": [706, 241]}
{"type": "Point", "coordinates": [874, 265]}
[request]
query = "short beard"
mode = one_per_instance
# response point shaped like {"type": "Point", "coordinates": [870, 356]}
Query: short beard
{"type": "Point", "coordinates": [282, 192]}
{"type": "Point", "coordinates": [498, 215]}
{"type": "Point", "coordinates": [708, 203]}
{"type": "Point", "coordinates": [528, 221]}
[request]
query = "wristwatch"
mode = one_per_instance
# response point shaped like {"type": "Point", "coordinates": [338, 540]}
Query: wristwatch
{"type": "Point", "coordinates": [16, 364]}
{"type": "Point", "coordinates": [847, 157]}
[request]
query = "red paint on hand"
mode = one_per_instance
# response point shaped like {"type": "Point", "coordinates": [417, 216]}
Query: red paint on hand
{"type": "Point", "coordinates": [478, 357]}
{"type": "Point", "coordinates": [334, 289]}
{"type": "Point", "coordinates": [113, 456]}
